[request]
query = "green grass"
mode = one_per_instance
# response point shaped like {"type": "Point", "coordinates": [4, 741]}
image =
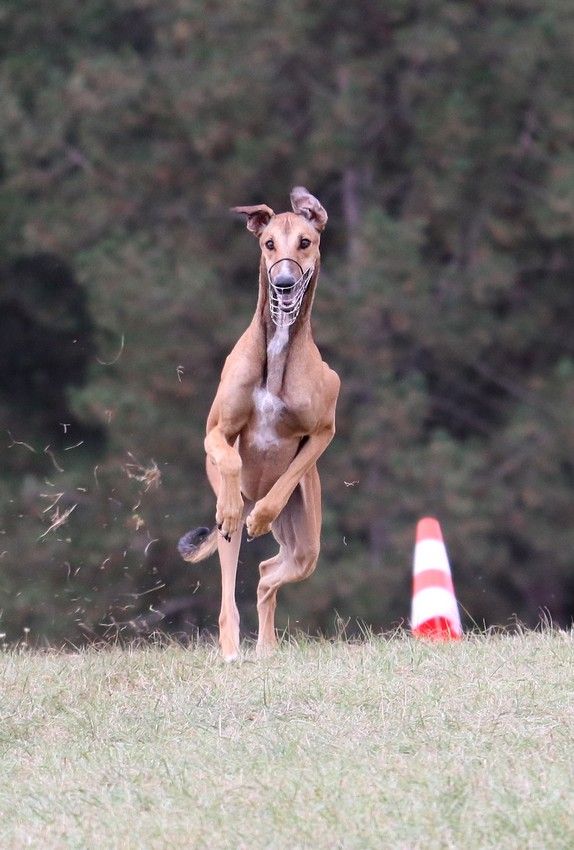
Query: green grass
{"type": "Point", "coordinates": [389, 743]}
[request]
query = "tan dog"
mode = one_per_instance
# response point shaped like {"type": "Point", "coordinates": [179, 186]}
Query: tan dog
{"type": "Point", "coordinates": [272, 418]}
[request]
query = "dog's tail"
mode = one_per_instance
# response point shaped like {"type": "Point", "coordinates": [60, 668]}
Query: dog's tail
{"type": "Point", "coordinates": [197, 544]}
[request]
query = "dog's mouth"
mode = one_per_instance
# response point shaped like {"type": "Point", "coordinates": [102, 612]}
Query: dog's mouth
{"type": "Point", "coordinates": [286, 297]}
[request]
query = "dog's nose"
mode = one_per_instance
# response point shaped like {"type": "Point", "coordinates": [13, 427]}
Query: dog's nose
{"type": "Point", "coordinates": [285, 273]}
{"type": "Point", "coordinates": [284, 281]}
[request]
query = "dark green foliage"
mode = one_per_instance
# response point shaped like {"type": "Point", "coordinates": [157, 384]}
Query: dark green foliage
{"type": "Point", "coordinates": [440, 138]}
{"type": "Point", "coordinates": [46, 345]}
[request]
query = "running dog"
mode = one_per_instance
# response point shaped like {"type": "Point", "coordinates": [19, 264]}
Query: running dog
{"type": "Point", "coordinates": [272, 418]}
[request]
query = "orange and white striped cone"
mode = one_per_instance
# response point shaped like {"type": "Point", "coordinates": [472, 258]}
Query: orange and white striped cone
{"type": "Point", "coordinates": [434, 612]}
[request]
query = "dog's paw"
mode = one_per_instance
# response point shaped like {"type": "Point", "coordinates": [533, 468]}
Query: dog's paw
{"type": "Point", "coordinates": [259, 520]}
{"type": "Point", "coordinates": [228, 517]}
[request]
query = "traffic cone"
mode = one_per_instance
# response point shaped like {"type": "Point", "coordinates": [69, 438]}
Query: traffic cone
{"type": "Point", "coordinates": [434, 612]}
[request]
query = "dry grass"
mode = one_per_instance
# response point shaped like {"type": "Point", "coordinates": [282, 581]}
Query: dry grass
{"type": "Point", "coordinates": [390, 743]}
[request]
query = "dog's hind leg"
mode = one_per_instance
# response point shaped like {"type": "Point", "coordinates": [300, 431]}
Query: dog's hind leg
{"type": "Point", "coordinates": [297, 529]}
{"type": "Point", "coordinates": [228, 549]}
{"type": "Point", "coordinates": [229, 614]}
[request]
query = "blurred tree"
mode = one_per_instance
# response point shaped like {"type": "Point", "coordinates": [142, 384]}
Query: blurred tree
{"type": "Point", "coordinates": [46, 345]}
{"type": "Point", "coordinates": [440, 137]}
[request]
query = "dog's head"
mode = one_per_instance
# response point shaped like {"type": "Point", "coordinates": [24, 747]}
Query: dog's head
{"type": "Point", "coordinates": [289, 248]}
{"type": "Point", "coordinates": [288, 236]}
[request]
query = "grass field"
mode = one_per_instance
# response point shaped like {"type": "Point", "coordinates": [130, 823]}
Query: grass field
{"type": "Point", "coordinates": [388, 743]}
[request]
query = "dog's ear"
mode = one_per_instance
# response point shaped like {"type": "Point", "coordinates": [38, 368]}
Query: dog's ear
{"type": "Point", "coordinates": [307, 205]}
{"type": "Point", "coordinates": [258, 217]}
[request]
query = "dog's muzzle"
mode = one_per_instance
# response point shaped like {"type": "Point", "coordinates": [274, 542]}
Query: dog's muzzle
{"type": "Point", "coordinates": [286, 296]}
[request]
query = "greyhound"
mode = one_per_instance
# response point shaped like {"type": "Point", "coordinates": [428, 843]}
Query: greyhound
{"type": "Point", "coordinates": [272, 417]}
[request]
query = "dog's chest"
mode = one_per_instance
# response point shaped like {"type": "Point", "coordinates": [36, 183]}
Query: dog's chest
{"type": "Point", "coordinates": [267, 409]}
{"type": "Point", "coordinates": [276, 418]}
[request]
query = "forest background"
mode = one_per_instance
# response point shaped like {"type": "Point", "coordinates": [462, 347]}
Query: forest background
{"type": "Point", "coordinates": [440, 138]}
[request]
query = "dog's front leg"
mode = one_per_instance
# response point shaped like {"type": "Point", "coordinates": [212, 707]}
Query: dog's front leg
{"type": "Point", "coordinates": [270, 506]}
{"type": "Point", "coordinates": [229, 510]}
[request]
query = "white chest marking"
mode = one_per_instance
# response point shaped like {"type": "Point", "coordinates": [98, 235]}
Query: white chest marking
{"type": "Point", "coordinates": [268, 406]}
{"type": "Point", "coordinates": [267, 410]}
{"type": "Point", "coordinates": [278, 342]}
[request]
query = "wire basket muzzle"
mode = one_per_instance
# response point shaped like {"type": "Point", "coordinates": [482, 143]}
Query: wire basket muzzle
{"type": "Point", "coordinates": [285, 301]}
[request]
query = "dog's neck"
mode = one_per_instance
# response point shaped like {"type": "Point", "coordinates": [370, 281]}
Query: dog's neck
{"type": "Point", "coordinates": [278, 342]}
{"type": "Point", "coordinates": [277, 353]}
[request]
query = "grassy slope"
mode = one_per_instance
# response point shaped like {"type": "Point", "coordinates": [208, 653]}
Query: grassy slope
{"type": "Point", "coordinates": [390, 743]}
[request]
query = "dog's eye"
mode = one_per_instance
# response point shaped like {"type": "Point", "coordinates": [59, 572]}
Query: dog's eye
{"type": "Point", "coordinates": [304, 243]}
{"type": "Point", "coordinates": [270, 244]}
